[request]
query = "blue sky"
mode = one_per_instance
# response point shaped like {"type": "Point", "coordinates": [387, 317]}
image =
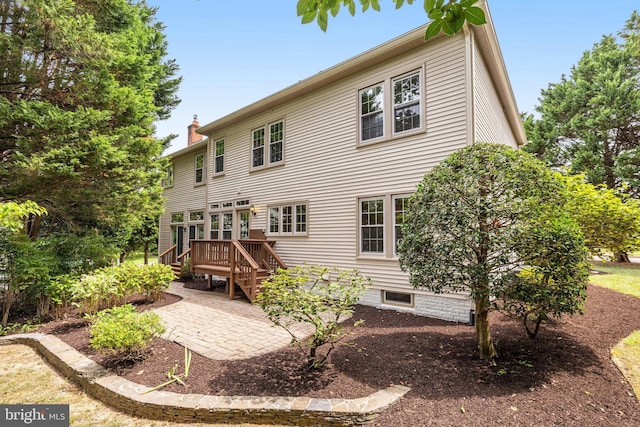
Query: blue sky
{"type": "Point", "coordinates": [232, 53]}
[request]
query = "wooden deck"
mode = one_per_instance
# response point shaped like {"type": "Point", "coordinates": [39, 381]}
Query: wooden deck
{"type": "Point", "coordinates": [244, 263]}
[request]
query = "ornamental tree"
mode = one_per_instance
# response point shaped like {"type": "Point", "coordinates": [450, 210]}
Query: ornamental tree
{"type": "Point", "coordinates": [466, 223]}
{"type": "Point", "coordinates": [319, 296]}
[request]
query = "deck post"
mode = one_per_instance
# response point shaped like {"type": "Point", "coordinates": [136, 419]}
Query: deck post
{"type": "Point", "coordinates": [232, 270]}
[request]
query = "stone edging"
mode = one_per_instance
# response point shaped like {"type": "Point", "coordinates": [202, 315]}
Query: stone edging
{"type": "Point", "coordinates": [128, 396]}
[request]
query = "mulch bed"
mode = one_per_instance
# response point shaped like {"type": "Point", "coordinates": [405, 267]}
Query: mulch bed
{"type": "Point", "coordinates": [564, 377]}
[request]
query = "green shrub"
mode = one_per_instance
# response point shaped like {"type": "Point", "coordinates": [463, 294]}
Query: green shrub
{"type": "Point", "coordinates": [61, 295]}
{"type": "Point", "coordinates": [319, 296]}
{"type": "Point", "coordinates": [185, 270]}
{"type": "Point", "coordinates": [154, 280]}
{"type": "Point", "coordinates": [123, 332]}
{"type": "Point", "coordinates": [97, 290]}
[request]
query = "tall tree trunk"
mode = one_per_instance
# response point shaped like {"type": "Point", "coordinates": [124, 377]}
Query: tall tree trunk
{"type": "Point", "coordinates": [483, 334]}
{"type": "Point", "coordinates": [622, 257]}
{"type": "Point", "coordinates": [146, 253]}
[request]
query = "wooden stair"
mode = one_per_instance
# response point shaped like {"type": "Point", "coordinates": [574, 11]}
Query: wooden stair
{"type": "Point", "coordinates": [250, 291]}
{"type": "Point", "coordinates": [177, 269]}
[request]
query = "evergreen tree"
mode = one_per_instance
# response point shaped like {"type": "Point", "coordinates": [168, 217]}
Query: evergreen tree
{"type": "Point", "coordinates": [81, 84]}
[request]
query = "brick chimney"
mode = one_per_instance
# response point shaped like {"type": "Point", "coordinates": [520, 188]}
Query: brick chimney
{"type": "Point", "coordinates": [192, 136]}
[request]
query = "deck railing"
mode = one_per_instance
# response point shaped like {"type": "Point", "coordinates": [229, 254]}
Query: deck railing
{"type": "Point", "coordinates": [244, 262]}
{"type": "Point", "coordinates": [211, 252]}
{"type": "Point", "coordinates": [168, 257]}
{"type": "Point", "coordinates": [264, 254]}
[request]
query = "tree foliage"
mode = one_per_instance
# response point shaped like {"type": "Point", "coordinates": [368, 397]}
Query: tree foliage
{"type": "Point", "coordinates": [81, 84]}
{"type": "Point", "coordinates": [447, 16]}
{"type": "Point", "coordinates": [609, 218]}
{"type": "Point", "coordinates": [590, 120]}
{"type": "Point", "coordinates": [319, 296]}
{"type": "Point", "coordinates": [468, 223]}
{"type": "Point", "coordinates": [13, 215]}
{"type": "Point", "coordinates": [554, 280]}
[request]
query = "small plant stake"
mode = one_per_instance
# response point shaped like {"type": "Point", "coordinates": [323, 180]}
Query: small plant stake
{"type": "Point", "coordinates": [173, 378]}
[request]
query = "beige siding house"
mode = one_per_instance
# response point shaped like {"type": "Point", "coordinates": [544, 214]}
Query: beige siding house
{"type": "Point", "coordinates": [324, 167]}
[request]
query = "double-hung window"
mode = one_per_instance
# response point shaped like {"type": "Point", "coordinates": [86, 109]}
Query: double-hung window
{"type": "Point", "coordinates": [199, 169]}
{"type": "Point", "coordinates": [380, 221]}
{"type": "Point", "coordinates": [372, 226]}
{"type": "Point", "coordinates": [167, 180]}
{"type": "Point", "coordinates": [372, 112]}
{"type": "Point", "coordinates": [400, 205]}
{"type": "Point", "coordinates": [391, 108]}
{"type": "Point", "coordinates": [267, 145]}
{"type": "Point", "coordinates": [218, 161]}
{"type": "Point", "coordinates": [406, 102]}
{"type": "Point", "coordinates": [258, 148]}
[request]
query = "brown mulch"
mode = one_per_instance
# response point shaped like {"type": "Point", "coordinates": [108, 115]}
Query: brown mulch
{"type": "Point", "coordinates": [564, 377]}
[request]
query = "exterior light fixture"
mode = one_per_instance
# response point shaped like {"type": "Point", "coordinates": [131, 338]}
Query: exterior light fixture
{"type": "Point", "coordinates": [253, 210]}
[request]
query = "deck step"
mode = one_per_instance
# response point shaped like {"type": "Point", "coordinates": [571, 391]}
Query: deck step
{"type": "Point", "coordinates": [177, 269]}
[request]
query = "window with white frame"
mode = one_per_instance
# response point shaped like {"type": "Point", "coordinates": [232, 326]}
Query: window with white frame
{"type": "Point", "coordinates": [372, 112]}
{"type": "Point", "coordinates": [301, 219]}
{"type": "Point", "coordinates": [276, 138]}
{"type": "Point", "coordinates": [199, 169]}
{"type": "Point", "coordinates": [274, 220]}
{"type": "Point", "coordinates": [267, 145]}
{"type": "Point", "coordinates": [177, 217]}
{"type": "Point", "coordinates": [167, 180]}
{"type": "Point", "coordinates": [395, 103]}
{"type": "Point", "coordinates": [227, 225]}
{"type": "Point", "coordinates": [196, 216]}
{"type": "Point", "coordinates": [400, 205]}
{"type": "Point", "coordinates": [406, 102]}
{"type": "Point", "coordinates": [372, 226]}
{"type": "Point", "coordinates": [288, 219]}
{"type": "Point", "coordinates": [214, 226]}
{"type": "Point", "coordinates": [218, 160]}
{"type": "Point", "coordinates": [258, 148]}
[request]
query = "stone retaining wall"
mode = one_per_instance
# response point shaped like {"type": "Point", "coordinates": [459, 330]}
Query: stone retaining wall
{"type": "Point", "coordinates": [130, 398]}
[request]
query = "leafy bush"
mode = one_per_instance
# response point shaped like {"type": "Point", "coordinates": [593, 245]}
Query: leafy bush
{"type": "Point", "coordinates": [185, 270]}
{"type": "Point", "coordinates": [123, 332]}
{"type": "Point", "coordinates": [319, 296]}
{"type": "Point", "coordinates": [97, 290]}
{"type": "Point", "coordinates": [155, 279]}
{"type": "Point", "coordinates": [555, 279]}
{"type": "Point", "coordinates": [61, 295]}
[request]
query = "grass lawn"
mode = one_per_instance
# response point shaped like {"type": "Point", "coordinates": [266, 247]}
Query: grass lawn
{"type": "Point", "coordinates": [138, 258]}
{"type": "Point", "coordinates": [621, 278]}
{"type": "Point", "coordinates": [25, 378]}
{"type": "Point", "coordinates": [624, 279]}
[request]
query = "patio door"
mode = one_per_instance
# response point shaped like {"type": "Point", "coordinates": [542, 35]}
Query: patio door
{"type": "Point", "coordinates": [177, 238]}
{"type": "Point", "coordinates": [244, 220]}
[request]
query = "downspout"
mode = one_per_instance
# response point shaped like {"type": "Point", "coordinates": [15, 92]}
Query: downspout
{"type": "Point", "coordinates": [470, 84]}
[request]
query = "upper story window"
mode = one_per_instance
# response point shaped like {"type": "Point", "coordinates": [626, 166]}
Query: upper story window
{"type": "Point", "coordinates": [395, 103]}
{"type": "Point", "coordinates": [406, 102]}
{"type": "Point", "coordinates": [258, 148]}
{"type": "Point", "coordinates": [267, 145]}
{"type": "Point", "coordinates": [167, 181]}
{"type": "Point", "coordinates": [218, 160]}
{"type": "Point", "coordinates": [372, 112]}
{"type": "Point", "coordinates": [199, 168]}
